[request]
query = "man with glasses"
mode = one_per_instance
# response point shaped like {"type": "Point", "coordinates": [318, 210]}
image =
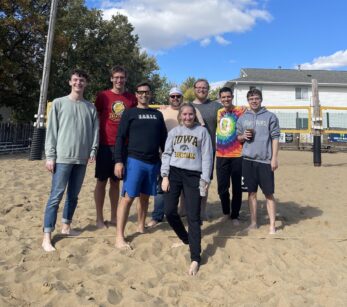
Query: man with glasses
{"type": "Point", "coordinates": [208, 110]}
{"type": "Point", "coordinates": [170, 114]}
{"type": "Point", "coordinates": [110, 105]}
{"type": "Point", "coordinates": [259, 131]}
{"type": "Point", "coordinates": [141, 134]}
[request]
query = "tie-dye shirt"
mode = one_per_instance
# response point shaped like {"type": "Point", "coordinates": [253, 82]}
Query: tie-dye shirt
{"type": "Point", "coordinates": [227, 145]}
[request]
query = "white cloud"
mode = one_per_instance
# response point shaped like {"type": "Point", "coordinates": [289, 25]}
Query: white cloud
{"type": "Point", "coordinates": [222, 41]}
{"type": "Point", "coordinates": [205, 42]}
{"type": "Point", "coordinates": [338, 59]}
{"type": "Point", "coordinates": [165, 24]}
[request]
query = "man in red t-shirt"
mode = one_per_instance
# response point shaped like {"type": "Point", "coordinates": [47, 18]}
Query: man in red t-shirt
{"type": "Point", "coordinates": [110, 105]}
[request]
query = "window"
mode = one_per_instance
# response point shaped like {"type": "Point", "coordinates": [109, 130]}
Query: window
{"type": "Point", "coordinates": [301, 93]}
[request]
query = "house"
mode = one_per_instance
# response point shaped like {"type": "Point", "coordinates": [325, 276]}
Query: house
{"type": "Point", "coordinates": [291, 87]}
{"type": "Point", "coordinates": [289, 94]}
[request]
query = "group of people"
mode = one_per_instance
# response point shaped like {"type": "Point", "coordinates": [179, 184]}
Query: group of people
{"type": "Point", "coordinates": [168, 153]}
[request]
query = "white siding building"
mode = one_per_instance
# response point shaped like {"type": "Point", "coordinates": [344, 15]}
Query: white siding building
{"type": "Point", "coordinates": [291, 87]}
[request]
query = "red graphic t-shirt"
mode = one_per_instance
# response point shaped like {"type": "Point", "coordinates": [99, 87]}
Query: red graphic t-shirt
{"type": "Point", "coordinates": [110, 107]}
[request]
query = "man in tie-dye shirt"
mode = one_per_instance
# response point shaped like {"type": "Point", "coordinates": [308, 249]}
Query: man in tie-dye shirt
{"type": "Point", "coordinates": [228, 152]}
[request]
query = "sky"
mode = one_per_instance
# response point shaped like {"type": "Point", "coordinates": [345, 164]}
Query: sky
{"type": "Point", "coordinates": [215, 39]}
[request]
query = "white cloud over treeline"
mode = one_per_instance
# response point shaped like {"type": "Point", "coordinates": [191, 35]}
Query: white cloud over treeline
{"type": "Point", "coordinates": [165, 24]}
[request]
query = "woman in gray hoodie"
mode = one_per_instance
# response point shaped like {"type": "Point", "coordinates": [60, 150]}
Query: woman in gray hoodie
{"type": "Point", "coordinates": [187, 166]}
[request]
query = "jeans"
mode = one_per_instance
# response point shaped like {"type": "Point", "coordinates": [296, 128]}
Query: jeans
{"type": "Point", "coordinates": [158, 211]}
{"type": "Point", "coordinates": [72, 176]}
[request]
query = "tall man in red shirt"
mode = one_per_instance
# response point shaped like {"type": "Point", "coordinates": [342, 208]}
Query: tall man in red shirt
{"type": "Point", "coordinates": [110, 105]}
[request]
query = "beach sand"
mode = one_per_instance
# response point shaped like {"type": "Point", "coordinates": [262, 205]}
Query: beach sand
{"type": "Point", "coordinates": [304, 264]}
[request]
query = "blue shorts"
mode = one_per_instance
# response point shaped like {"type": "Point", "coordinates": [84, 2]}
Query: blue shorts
{"type": "Point", "coordinates": [140, 178]}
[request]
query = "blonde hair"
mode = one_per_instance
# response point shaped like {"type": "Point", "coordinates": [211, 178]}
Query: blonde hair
{"type": "Point", "coordinates": [184, 105]}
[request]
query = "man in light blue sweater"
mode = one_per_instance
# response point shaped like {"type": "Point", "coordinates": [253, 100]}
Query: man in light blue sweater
{"type": "Point", "coordinates": [259, 130]}
{"type": "Point", "coordinates": [71, 142]}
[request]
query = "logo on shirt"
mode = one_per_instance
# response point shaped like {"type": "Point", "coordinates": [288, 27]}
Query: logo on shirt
{"type": "Point", "coordinates": [187, 139]}
{"type": "Point", "coordinates": [147, 116]}
{"type": "Point", "coordinates": [117, 110]}
{"type": "Point", "coordinates": [225, 125]}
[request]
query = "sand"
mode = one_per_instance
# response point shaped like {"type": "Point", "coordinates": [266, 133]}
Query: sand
{"type": "Point", "coordinates": [304, 264]}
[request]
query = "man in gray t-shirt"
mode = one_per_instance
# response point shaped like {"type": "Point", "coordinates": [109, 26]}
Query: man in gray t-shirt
{"type": "Point", "coordinates": [208, 110]}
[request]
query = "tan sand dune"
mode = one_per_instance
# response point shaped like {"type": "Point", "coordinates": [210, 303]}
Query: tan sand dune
{"type": "Point", "coordinates": [304, 264]}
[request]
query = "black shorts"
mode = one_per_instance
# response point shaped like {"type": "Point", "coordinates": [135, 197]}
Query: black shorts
{"type": "Point", "coordinates": [256, 174]}
{"type": "Point", "coordinates": [104, 167]}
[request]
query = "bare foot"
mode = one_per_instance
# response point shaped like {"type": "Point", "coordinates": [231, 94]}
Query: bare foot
{"type": "Point", "coordinates": [272, 231]}
{"type": "Point", "coordinates": [47, 246]}
{"type": "Point", "coordinates": [225, 218]}
{"type": "Point", "coordinates": [177, 244]}
{"type": "Point", "coordinates": [235, 222]}
{"type": "Point", "coordinates": [110, 224]}
{"type": "Point", "coordinates": [70, 232]}
{"type": "Point", "coordinates": [140, 229]}
{"type": "Point", "coordinates": [122, 244]}
{"type": "Point", "coordinates": [152, 223]}
{"type": "Point", "coordinates": [252, 226]}
{"type": "Point", "coordinates": [100, 224]}
{"type": "Point", "coordinates": [194, 268]}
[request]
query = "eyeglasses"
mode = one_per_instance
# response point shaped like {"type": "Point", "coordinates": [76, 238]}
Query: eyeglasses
{"type": "Point", "coordinates": [202, 88]}
{"type": "Point", "coordinates": [175, 96]}
{"type": "Point", "coordinates": [143, 92]}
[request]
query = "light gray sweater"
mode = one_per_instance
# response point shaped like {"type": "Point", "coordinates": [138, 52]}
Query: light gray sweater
{"type": "Point", "coordinates": [190, 149]}
{"type": "Point", "coordinates": [73, 131]}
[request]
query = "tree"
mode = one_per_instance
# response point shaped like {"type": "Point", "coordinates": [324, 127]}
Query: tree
{"type": "Point", "coordinates": [82, 40]}
{"type": "Point", "coordinates": [187, 88]}
{"type": "Point", "coordinates": [22, 38]}
{"type": "Point", "coordinates": [214, 94]}
{"type": "Point", "coordinates": [161, 89]}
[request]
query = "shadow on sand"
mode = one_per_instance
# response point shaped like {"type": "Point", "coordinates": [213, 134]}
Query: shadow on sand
{"type": "Point", "coordinates": [288, 213]}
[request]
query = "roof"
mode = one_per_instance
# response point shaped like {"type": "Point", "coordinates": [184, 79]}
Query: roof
{"type": "Point", "coordinates": [261, 75]}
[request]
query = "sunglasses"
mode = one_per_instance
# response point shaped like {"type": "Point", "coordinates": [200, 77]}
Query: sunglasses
{"type": "Point", "coordinates": [175, 96]}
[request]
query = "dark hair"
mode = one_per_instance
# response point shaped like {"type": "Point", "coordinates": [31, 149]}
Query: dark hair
{"type": "Point", "coordinates": [118, 68]}
{"type": "Point", "coordinates": [226, 89]}
{"type": "Point", "coordinates": [255, 92]}
{"type": "Point", "coordinates": [202, 80]}
{"type": "Point", "coordinates": [183, 105]}
{"type": "Point", "coordinates": [80, 73]}
{"type": "Point", "coordinates": [143, 83]}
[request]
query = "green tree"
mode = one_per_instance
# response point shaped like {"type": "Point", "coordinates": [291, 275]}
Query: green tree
{"type": "Point", "coordinates": [187, 88]}
{"type": "Point", "coordinates": [214, 94]}
{"type": "Point", "coordinates": [22, 40]}
{"type": "Point", "coordinates": [82, 40]}
{"type": "Point", "coordinates": [161, 89]}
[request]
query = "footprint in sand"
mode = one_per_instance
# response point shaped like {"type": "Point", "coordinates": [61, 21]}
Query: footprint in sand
{"type": "Point", "coordinates": [114, 297]}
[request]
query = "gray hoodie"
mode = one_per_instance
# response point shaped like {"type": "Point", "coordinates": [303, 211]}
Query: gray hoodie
{"type": "Point", "coordinates": [266, 127]}
{"type": "Point", "coordinates": [190, 149]}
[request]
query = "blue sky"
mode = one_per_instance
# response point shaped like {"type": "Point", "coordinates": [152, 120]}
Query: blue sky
{"type": "Point", "coordinates": [214, 39]}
